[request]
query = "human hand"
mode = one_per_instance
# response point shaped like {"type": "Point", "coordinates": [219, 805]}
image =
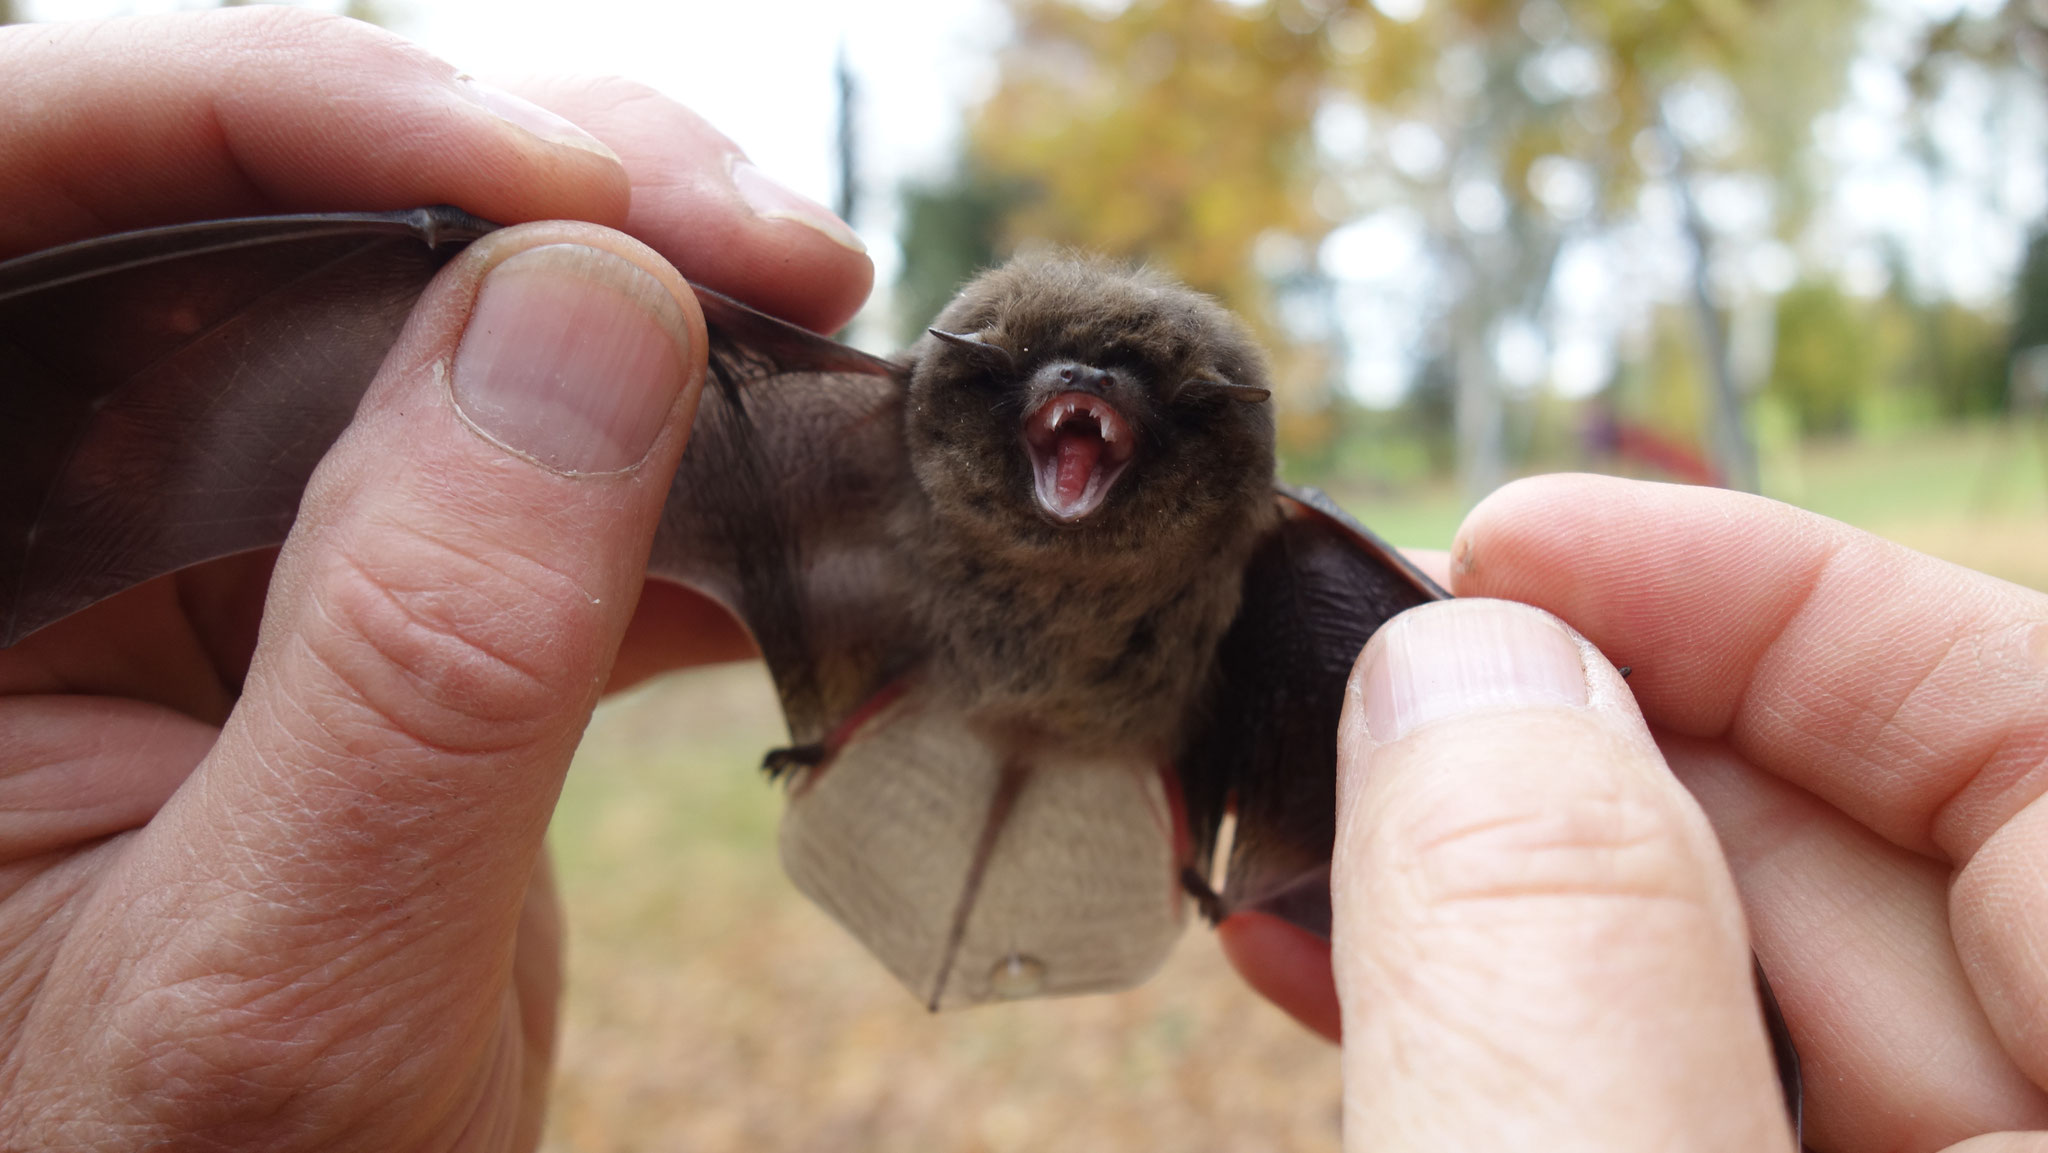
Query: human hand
{"type": "Point", "coordinates": [284, 888]}
{"type": "Point", "coordinates": [1538, 945]}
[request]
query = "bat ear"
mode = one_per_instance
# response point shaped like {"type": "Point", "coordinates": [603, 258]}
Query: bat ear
{"type": "Point", "coordinates": [973, 342]}
{"type": "Point", "coordinates": [1242, 393]}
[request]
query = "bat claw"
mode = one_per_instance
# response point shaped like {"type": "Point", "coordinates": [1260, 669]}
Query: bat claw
{"type": "Point", "coordinates": [1206, 900]}
{"type": "Point", "coordinates": [778, 763]}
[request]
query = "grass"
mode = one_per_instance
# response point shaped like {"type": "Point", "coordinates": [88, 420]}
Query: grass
{"type": "Point", "coordinates": [1975, 494]}
{"type": "Point", "coordinates": [710, 1008]}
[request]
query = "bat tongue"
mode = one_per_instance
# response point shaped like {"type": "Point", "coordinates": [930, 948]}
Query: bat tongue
{"type": "Point", "coordinates": [1079, 445]}
{"type": "Point", "coordinates": [1075, 464]}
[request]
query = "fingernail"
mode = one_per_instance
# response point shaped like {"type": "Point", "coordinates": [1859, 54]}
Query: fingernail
{"type": "Point", "coordinates": [1467, 656]}
{"type": "Point", "coordinates": [538, 121]}
{"type": "Point", "coordinates": [573, 358]}
{"type": "Point", "coordinates": [771, 201]}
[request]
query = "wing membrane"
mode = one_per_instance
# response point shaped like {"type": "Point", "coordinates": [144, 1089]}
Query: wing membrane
{"type": "Point", "coordinates": [1314, 593]}
{"type": "Point", "coordinates": [168, 392]}
{"type": "Point", "coordinates": [783, 509]}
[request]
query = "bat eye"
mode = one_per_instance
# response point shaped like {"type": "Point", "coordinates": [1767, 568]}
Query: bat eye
{"type": "Point", "coordinates": [975, 345]}
{"type": "Point", "coordinates": [1242, 393]}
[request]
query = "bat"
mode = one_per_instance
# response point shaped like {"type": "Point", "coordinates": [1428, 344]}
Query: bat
{"type": "Point", "coordinates": [1053, 646]}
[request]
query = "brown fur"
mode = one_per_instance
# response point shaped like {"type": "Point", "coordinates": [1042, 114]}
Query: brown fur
{"type": "Point", "coordinates": [1101, 632]}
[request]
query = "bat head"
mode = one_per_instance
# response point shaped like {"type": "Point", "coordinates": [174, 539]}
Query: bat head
{"type": "Point", "coordinates": [1063, 397]}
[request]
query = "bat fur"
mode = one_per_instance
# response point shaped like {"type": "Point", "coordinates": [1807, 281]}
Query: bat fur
{"type": "Point", "coordinates": [1097, 630]}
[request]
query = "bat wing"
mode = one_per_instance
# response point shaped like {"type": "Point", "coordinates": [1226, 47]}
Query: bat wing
{"type": "Point", "coordinates": [785, 507]}
{"type": "Point", "coordinates": [1316, 589]}
{"type": "Point", "coordinates": [167, 393]}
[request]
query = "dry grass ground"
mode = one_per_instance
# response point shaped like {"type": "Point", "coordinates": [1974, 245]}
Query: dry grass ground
{"type": "Point", "coordinates": [710, 1008]}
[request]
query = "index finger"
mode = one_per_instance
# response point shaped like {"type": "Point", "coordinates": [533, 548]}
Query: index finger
{"type": "Point", "coordinates": [1908, 692]}
{"type": "Point", "coordinates": [134, 122]}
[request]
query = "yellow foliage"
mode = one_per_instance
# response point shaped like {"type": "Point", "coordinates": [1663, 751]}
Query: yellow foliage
{"type": "Point", "coordinates": [1180, 131]}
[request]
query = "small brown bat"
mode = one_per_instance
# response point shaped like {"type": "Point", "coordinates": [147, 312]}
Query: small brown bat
{"type": "Point", "coordinates": [1038, 614]}
{"type": "Point", "coordinates": [1036, 610]}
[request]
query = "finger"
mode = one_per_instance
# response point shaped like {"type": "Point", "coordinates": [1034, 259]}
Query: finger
{"type": "Point", "coordinates": [1909, 693]}
{"type": "Point", "coordinates": [73, 769]}
{"type": "Point", "coordinates": [1536, 942]}
{"type": "Point", "coordinates": [727, 226]}
{"type": "Point", "coordinates": [357, 849]}
{"type": "Point", "coordinates": [1854, 932]}
{"type": "Point", "coordinates": [699, 202]}
{"type": "Point", "coordinates": [128, 123]}
{"type": "Point", "coordinates": [2003, 1143]}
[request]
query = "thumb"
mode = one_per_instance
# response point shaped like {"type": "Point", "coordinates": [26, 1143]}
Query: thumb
{"type": "Point", "coordinates": [1536, 942]}
{"type": "Point", "coordinates": [344, 873]}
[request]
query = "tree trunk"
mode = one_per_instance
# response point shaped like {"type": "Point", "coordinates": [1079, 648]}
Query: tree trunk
{"type": "Point", "coordinates": [1734, 451]}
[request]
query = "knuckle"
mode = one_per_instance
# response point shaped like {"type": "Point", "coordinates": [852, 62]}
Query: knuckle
{"type": "Point", "coordinates": [231, 1053]}
{"type": "Point", "coordinates": [451, 647]}
{"type": "Point", "coordinates": [1619, 844]}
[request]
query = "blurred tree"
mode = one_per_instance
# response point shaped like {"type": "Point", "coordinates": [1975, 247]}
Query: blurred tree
{"type": "Point", "coordinates": [950, 230]}
{"type": "Point", "coordinates": [1172, 131]}
{"type": "Point", "coordinates": [2030, 299]}
{"type": "Point", "coordinates": [2000, 54]}
{"type": "Point", "coordinates": [1961, 359]}
{"type": "Point", "coordinates": [845, 136]}
{"type": "Point", "coordinates": [368, 11]}
{"type": "Point", "coordinates": [1825, 361]}
{"type": "Point", "coordinates": [2013, 36]}
{"type": "Point", "coordinates": [1204, 133]}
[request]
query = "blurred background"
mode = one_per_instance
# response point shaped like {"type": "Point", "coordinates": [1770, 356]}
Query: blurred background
{"type": "Point", "coordinates": [1791, 246]}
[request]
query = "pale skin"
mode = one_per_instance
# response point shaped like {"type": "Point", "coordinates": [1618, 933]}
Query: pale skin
{"type": "Point", "coordinates": [273, 864]}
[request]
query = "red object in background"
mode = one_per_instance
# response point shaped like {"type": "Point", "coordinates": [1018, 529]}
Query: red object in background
{"type": "Point", "coordinates": [1640, 444]}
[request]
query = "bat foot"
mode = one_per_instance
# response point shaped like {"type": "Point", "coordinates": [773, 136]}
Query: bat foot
{"type": "Point", "coordinates": [778, 763]}
{"type": "Point", "coordinates": [1206, 900]}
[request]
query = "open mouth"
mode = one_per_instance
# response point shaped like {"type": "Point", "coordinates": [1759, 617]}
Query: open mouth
{"type": "Point", "coordinates": [1079, 445]}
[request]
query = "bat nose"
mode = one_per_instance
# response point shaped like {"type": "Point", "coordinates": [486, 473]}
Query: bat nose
{"type": "Point", "coordinates": [1081, 376]}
